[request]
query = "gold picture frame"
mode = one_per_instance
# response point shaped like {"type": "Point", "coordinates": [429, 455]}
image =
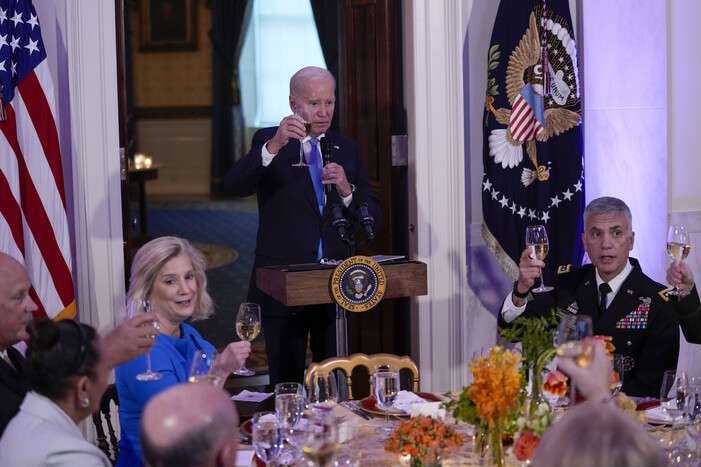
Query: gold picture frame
{"type": "Point", "coordinates": [168, 25]}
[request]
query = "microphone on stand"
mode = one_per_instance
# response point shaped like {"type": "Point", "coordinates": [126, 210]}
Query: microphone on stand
{"type": "Point", "coordinates": [333, 199]}
{"type": "Point", "coordinates": [366, 220]}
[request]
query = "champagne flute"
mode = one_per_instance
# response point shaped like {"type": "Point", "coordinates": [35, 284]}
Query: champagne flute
{"type": "Point", "coordinates": [537, 239]}
{"type": "Point", "coordinates": [144, 306]}
{"type": "Point", "coordinates": [305, 115]}
{"type": "Point", "coordinates": [247, 327]}
{"type": "Point", "coordinates": [386, 380]}
{"type": "Point", "coordinates": [289, 408]}
{"type": "Point", "coordinates": [267, 436]}
{"type": "Point", "coordinates": [572, 343]}
{"type": "Point", "coordinates": [323, 394]}
{"type": "Point", "coordinates": [678, 246]}
{"type": "Point", "coordinates": [201, 367]}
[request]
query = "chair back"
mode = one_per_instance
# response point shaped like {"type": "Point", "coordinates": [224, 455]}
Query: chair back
{"type": "Point", "coordinates": [107, 442]}
{"type": "Point", "coordinates": [347, 365]}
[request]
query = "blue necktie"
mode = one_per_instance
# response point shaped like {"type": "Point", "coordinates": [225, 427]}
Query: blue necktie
{"type": "Point", "coordinates": [315, 168]}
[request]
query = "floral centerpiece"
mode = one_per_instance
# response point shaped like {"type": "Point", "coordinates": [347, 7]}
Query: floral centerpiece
{"type": "Point", "coordinates": [425, 439]}
{"type": "Point", "coordinates": [491, 402]}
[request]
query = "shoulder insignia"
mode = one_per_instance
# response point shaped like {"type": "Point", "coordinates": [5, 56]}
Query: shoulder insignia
{"type": "Point", "coordinates": [564, 269]}
{"type": "Point", "coordinates": [629, 291]}
{"type": "Point", "coordinates": [663, 293]}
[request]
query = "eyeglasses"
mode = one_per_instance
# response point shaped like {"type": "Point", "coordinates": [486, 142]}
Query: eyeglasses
{"type": "Point", "coordinates": [83, 342]}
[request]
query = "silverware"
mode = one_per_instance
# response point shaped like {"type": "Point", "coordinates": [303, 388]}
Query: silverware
{"type": "Point", "coordinates": [356, 410]}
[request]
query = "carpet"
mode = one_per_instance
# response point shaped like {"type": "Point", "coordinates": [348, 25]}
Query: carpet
{"type": "Point", "coordinates": [225, 231]}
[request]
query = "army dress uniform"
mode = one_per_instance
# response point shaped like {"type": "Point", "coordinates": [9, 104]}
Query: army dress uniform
{"type": "Point", "coordinates": [688, 311]}
{"type": "Point", "coordinates": [640, 319]}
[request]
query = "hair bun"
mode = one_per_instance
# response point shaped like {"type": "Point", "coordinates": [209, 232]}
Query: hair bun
{"type": "Point", "coordinates": [43, 334]}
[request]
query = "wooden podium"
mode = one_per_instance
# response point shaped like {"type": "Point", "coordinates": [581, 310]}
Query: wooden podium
{"type": "Point", "coordinates": [310, 284]}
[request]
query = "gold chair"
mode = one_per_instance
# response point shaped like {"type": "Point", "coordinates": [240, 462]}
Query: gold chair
{"type": "Point", "coordinates": [103, 442]}
{"type": "Point", "coordinates": [358, 360]}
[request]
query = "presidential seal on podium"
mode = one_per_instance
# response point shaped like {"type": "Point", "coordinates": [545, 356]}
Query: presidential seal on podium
{"type": "Point", "coordinates": [358, 283]}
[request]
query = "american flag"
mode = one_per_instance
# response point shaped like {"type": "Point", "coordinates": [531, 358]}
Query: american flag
{"type": "Point", "coordinates": [33, 222]}
{"type": "Point", "coordinates": [527, 119]}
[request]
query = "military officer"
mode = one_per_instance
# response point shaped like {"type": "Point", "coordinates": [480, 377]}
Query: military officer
{"type": "Point", "coordinates": [622, 301]}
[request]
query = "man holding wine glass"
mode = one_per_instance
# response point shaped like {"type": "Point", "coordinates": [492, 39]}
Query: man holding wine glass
{"type": "Point", "coordinates": [688, 307]}
{"type": "Point", "coordinates": [622, 301]}
{"type": "Point", "coordinates": [296, 223]}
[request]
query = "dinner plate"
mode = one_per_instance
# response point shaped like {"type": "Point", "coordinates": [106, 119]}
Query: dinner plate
{"type": "Point", "coordinates": [658, 416]}
{"type": "Point", "coordinates": [369, 404]}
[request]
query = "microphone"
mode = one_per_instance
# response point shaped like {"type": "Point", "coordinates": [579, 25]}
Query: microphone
{"type": "Point", "coordinates": [340, 223]}
{"type": "Point", "coordinates": [366, 220]}
{"type": "Point", "coordinates": [326, 152]}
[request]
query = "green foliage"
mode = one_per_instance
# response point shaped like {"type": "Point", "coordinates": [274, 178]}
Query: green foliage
{"type": "Point", "coordinates": [536, 336]}
{"type": "Point", "coordinates": [462, 409]}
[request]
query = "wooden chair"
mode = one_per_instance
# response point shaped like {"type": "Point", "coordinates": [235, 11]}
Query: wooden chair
{"type": "Point", "coordinates": [348, 365]}
{"type": "Point", "coordinates": [103, 442]}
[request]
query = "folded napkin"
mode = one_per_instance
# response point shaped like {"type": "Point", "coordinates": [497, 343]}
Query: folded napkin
{"type": "Point", "coordinates": [251, 396]}
{"type": "Point", "coordinates": [658, 415]}
{"type": "Point", "coordinates": [244, 458]}
{"type": "Point", "coordinates": [404, 401]}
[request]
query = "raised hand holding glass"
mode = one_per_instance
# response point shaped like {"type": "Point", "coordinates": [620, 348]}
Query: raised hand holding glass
{"type": "Point", "coordinates": [305, 115]}
{"type": "Point", "coordinates": [678, 246]}
{"type": "Point", "coordinates": [537, 239]}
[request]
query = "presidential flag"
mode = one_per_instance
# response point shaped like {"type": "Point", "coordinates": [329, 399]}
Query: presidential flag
{"type": "Point", "coordinates": [33, 222]}
{"type": "Point", "coordinates": [533, 166]}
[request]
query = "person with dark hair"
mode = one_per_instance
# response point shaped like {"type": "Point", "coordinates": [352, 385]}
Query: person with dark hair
{"type": "Point", "coordinates": [297, 223]}
{"type": "Point", "coordinates": [687, 308]}
{"type": "Point", "coordinates": [125, 342]}
{"type": "Point", "coordinates": [170, 273]}
{"type": "Point", "coordinates": [622, 301]}
{"type": "Point", "coordinates": [190, 425]}
{"type": "Point", "coordinates": [67, 376]}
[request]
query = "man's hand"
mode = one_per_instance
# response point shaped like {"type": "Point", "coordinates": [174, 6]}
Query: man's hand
{"type": "Point", "coordinates": [290, 127]}
{"type": "Point", "coordinates": [679, 274]}
{"type": "Point", "coordinates": [130, 339]}
{"type": "Point", "coordinates": [334, 174]}
{"type": "Point", "coordinates": [529, 268]}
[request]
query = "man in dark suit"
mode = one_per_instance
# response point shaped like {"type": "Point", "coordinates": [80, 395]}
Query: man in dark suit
{"type": "Point", "coordinates": [296, 224]}
{"type": "Point", "coordinates": [16, 308]}
{"type": "Point", "coordinates": [126, 341]}
{"type": "Point", "coordinates": [687, 308]}
{"type": "Point", "coordinates": [634, 310]}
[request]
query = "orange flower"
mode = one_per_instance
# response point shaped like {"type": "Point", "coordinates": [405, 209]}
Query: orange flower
{"type": "Point", "coordinates": [496, 384]}
{"type": "Point", "coordinates": [614, 378]}
{"type": "Point", "coordinates": [555, 383]}
{"type": "Point", "coordinates": [526, 446]}
{"type": "Point", "coordinates": [424, 438]}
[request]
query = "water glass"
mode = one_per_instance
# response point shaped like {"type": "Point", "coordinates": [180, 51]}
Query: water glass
{"type": "Point", "coordinates": [267, 436]}
{"type": "Point", "coordinates": [386, 381]}
{"type": "Point", "coordinates": [323, 393]}
{"type": "Point", "coordinates": [289, 409]}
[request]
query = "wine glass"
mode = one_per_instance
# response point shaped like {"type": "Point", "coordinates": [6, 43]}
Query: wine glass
{"type": "Point", "coordinates": [201, 366]}
{"type": "Point", "coordinates": [305, 115]}
{"type": "Point", "coordinates": [247, 327]}
{"type": "Point", "coordinates": [572, 343]}
{"type": "Point", "coordinates": [144, 306]}
{"type": "Point", "coordinates": [618, 372]}
{"type": "Point", "coordinates": [673, 392]}
{"type": "Point", "coordinates": [678, 246]}
{"type": "Point", "coordinates": [289, 408]}
{"type": "Point", "coordinates": [321, 440]}
{"type": "Point", "coordinates": [692, 412]}
{"type": "Point", "coordinates": [267, 436]}
{"type": "Point", "coordinates": [537, 239]}
{"type": "Point", "coordinates": [323, 393]}
{"type": "Point", "coordinates": [386, 380]}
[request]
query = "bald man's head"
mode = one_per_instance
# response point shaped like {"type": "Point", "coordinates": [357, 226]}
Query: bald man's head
{"type": "Point", "coordinates": [188, 425]}
{"type": "Point", "coordinates": [16, 306]}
